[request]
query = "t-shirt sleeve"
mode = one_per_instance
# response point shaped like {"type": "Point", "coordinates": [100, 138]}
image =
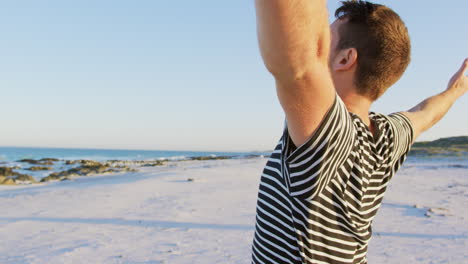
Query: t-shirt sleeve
{"type": "Point", "coordinates": [311, 166]}
{"type": "Point", "coordinates": [402, 138]}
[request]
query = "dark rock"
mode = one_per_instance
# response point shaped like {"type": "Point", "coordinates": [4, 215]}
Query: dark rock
{"type": "Point", "coordinates": [190, 179]}
{"type": "Point", "coordinates": [83, 162]}
{"type": "Point", "coordinates": [90, 163]}
{"type": "Point", "coordinates": [7, 171]}
{"type": "Point", "coordinates": [25, 177]}
{"type": "Point", "coordinates": [55, 176]}
{"type": "Point", "coordinates": [49, 159]}
{"type": "Point", "coordinates": [93, 169]}
{"type": "Point", "coordinates": [36, 162]}
{"type": "Point", "coordinates": [87, 167]}
{"type": "Point", "coordinates": [30, 161]}
{"type": "Point", "coordinates": [211, 158]}
{"type": "Point", "coordinates": [50, 178]}
{"type": "Point", "coordinates": [39, 168]}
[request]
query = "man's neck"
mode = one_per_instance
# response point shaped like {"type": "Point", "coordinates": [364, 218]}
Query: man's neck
{"type": "Point", "coordinates": [359, 105]}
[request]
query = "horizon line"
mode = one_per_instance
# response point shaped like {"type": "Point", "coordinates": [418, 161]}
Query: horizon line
{"type": "Point", "coordinates": [136, 149]}
{"type": "Point", "coordinates": [178, 150]}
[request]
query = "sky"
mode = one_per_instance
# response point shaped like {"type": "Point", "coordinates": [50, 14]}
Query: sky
{"type": "Point", "coordinates": [180, 75]}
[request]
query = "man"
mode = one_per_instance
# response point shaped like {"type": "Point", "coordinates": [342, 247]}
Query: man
{"type": "Point", "coordinates": [325, 180]}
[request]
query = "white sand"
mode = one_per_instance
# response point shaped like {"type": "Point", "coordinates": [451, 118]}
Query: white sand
{"type": "Point", "coordinates": [157, 216]}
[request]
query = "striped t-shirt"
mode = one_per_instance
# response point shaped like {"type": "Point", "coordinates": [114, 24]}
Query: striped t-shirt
{"type": "Point", "coordinates": [316, 202]}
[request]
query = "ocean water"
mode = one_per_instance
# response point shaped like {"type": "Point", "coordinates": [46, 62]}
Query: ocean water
{"type": "Point", "coordinates": [11, 154]}
{"type": "Point", "coordinates": [9, 157]}
{"type": "Point", "coordinates": [435, 162]}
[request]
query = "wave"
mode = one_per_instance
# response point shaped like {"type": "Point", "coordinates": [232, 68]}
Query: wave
{"type": "Point", "coordinates": [435, 166]}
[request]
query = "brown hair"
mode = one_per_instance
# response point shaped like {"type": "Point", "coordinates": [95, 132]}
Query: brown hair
{"type": "Point", "coordinates": [382, 43]}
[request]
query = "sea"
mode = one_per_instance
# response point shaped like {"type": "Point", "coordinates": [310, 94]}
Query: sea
{"type": "Point", "coordinates": [9, 157]}
{"type": "Point", "coordinates": [437, 162]}
{"type": "Point", "coordinates": [12, 154]}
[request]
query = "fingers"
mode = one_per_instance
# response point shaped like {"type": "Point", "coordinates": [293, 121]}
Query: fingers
{"type": "Point", "coordinates": [464, 66]}
{"type": "Point", "coordinates": [462, 69]}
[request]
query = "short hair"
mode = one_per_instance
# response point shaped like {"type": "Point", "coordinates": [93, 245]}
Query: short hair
{"type": "Point", "coordinates": [382, 42]}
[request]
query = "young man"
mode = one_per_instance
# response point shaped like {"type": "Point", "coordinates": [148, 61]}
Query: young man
{"type": "Point", "coordinates": [326, 178]}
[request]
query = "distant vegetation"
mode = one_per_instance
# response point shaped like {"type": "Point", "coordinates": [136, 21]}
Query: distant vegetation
{"type": "Point", "coordinates": [451, 146]}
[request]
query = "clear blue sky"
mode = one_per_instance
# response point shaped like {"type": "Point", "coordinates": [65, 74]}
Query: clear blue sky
{"type": "Point", "coordinates": [183, 75]}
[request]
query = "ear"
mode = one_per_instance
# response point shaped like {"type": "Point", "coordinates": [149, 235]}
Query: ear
{"type": "Point", "coordinates": [345, 60]}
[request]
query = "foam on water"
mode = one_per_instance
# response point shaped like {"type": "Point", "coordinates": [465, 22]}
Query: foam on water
{"type": "Point", "coordinates": [11, 154]}
{"type": "Point", "coordinates": [458, 162]}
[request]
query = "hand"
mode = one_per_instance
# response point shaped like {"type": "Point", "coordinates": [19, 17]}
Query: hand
{"type": "Point", "coordinates": [459, 81]}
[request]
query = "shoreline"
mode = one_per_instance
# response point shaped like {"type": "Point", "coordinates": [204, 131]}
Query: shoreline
{"type": "Point", "coordinates": [20, 172]}
{"type": "Point", "coordinates": [34, 171]}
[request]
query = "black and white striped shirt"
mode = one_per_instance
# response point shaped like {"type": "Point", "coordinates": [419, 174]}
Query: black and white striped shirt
{"type": "Point", "coordinates": [316, 202]}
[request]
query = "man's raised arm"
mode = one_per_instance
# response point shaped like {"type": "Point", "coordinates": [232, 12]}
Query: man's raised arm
{"type": "Point", "coordinates": [294, 40]}
{"type": "Point", "coordinates": [430, 111]}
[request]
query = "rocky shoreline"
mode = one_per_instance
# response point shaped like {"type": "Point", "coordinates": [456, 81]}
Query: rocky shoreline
{"type": "Point", "coordinates": [69, 169]}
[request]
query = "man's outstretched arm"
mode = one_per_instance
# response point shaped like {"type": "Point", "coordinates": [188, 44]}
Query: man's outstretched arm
{"type": "Point", "coordinates": [294, 40]}
{"type": "Point", "coordinates": [430, 111]}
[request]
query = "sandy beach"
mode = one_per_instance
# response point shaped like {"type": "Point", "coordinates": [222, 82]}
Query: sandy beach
{"type": "Point", "coordinates": [204, 212]}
